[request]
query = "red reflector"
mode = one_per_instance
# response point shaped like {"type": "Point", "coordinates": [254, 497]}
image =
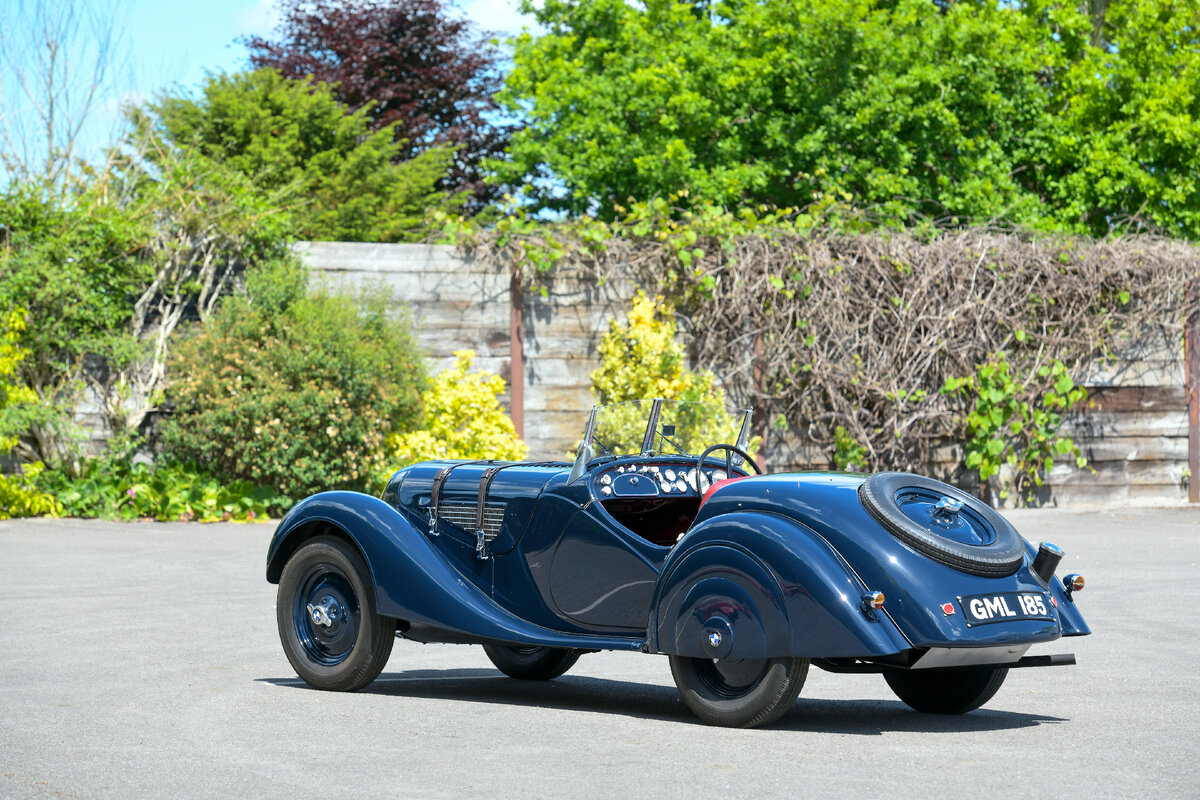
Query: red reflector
{"type": "Point", "coordinates": [948, 609]}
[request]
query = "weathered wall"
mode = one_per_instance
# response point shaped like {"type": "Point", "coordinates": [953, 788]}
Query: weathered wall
{"type": "Point", "coordinates": [1134, 432]}
{"type": "Point", "coordinates": [459, 303]}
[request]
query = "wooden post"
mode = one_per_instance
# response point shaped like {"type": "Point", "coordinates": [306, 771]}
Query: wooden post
{"type": "Point", "coordinates": [758, 424]}
{"type": "Point", "coordinates": [516, 371]}
{"type": "Point", "coordinates": [1192, 344]}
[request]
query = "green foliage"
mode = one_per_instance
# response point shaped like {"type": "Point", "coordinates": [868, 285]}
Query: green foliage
{"type": "Point", "coordinates": [118, 489]}
{"type": "Point", "coordinates": [903, 110]}
{"type": "Point", "coordinates": [21, 494]}
{"type": "Point", "coordinates": [896, 105]}
{"type": "Point", "coordinates": [107, 269]}
{"type": "Point", "coordinates": [462, 418]}
{"type": "Point", "coordinates": [848, 454]}
{"type": "Point", "coordinates": [74, 267]}
{"type": "Point", "coordinates": [1131, 115]}
{"type": "Point", "coordinates": [13, 396]}
{"type": "Point", "coordinates": [19, 497]}
{"type": "Point", "coordinates": [642, 360]}
{"type": "Point", "coordinates": [1015, 423]}
{"type": "Point", "coordinates": [295, 393]}
{"type": "Point", "coordinates": [294, 140]}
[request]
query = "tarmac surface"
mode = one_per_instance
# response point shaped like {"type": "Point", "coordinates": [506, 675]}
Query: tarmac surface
{"type": "Point", "coordinates": [142, 660]}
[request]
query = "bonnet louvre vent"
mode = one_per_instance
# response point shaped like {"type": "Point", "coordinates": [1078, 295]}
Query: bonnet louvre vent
{"type": "Point", "coordinates": [464, 514]}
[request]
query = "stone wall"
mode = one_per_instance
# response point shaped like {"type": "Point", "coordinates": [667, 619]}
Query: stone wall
{"type": "Point", "coordinates": [1134, 431]}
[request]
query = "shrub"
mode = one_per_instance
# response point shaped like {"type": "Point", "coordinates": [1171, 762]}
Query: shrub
{"type": "Point", "coordinates": [294, 392]}
{"type": "Point", "coordinates": [18, 496]}
{"type": "Point", "coordinates": [642, 360]}
{"type": "Point", "coordinates": [1005, 427]}
{"type": "Point", "coordinates": [119, 489]}
{"type": "Point", "coordinates": [462, 419]}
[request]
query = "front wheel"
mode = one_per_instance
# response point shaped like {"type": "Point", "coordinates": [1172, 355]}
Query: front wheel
{"type": "Point", "coordinates": [531, 663]}
{"type": "Point", "coordinates": [946, 691]}
{"type": "Point", "coordinates": [739, 693]}
{"type": "Point", "coordinates": [331, 632]}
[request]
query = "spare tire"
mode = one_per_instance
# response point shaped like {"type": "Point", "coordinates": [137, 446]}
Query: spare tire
{"type": "Point", "coordinates": [944, 523]}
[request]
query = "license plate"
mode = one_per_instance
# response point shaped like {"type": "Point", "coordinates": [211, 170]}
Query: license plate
{"type": "Point", "coordinates": [981, 609]}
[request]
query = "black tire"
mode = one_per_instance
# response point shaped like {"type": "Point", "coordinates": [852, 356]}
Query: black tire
{"type": "Point", "coordinates": [739, 694]}
{"type": "Point", "coordinates": [531, 663]}
{"type": "Point", "coordinates": [350, 647]}
{"type": "Point", "coordinates": [946, 691]}
{"type": "Point", "coordinates": [996, 549]}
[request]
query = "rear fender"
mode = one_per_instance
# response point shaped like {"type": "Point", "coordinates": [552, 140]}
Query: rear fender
{"type": "Point", "coordinates": [413, 581]}
{"type": "Point", "coordinates": [778, 587]}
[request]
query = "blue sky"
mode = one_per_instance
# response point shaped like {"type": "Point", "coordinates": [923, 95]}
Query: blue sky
{"type": "Point", "coordinates": [172, 43]}
{"type": "Point", "coordinates": [175, 42]}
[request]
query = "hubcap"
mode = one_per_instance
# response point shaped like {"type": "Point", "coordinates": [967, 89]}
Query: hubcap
{"type": "Point", "coordinates": [327, 615]}
{"type": "Point", "coordinates": [946, 516]}
{"type": "Point", "coordinates": [325, 612]}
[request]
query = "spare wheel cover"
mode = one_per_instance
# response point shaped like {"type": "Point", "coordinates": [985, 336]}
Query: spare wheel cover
{"type": "Point", "coordinates": [974, 538]}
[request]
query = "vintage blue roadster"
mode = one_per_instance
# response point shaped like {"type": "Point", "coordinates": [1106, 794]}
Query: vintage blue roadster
{"type": "Point", "coordinates": [661, 538]}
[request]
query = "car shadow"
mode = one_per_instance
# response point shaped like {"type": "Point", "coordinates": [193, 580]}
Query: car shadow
{"type": "Point", "coordinates": [570, 692]}
{"type": "Point", "coordinates": [650, 701]}
{"type": "Point", "coordinates": [876, 717]}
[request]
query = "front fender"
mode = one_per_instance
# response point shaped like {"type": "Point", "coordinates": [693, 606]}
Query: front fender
{"type": "Point", "coordinates": [788, 591]}
{"type": "Point", "coordinates": [413, 581]}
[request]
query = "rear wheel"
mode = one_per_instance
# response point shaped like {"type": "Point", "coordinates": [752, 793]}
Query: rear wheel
{"type": "Point", "coordinates": [331, 632]}
{"type": "Point", "coordinates": [531, 663]}
{"type": "Point", "coordinates": [946, 691]}
{"type": "Point", "coordinates": [740, 693]}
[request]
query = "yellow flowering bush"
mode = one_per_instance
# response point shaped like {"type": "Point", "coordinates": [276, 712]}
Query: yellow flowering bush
{"type": "Point", "coordinates": [641, 360]}
{"type": "Point", "coordinates": [18, 497]}
{"type": "Point", "coordinates": [462, 419]}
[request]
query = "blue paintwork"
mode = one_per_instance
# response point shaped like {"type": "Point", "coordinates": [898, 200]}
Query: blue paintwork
{"type": "Point", "coordinates": [776, 564]}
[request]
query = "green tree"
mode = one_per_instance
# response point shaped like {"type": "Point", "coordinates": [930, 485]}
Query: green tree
{"type": "Point", "coordinates": [293, 139]}
{"type": "Point", "coordinates": [1129, 151]}
{"type": "Point", "coordinates": [108, 268]}
{"type": "Point", "coordinates": [904, 107]}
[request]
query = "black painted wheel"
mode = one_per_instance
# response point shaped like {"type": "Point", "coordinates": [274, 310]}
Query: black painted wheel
{"type": "Point", "coordinates": [944, 523]}
{"type": "Point", "coordinates": [331, 632]}
{"type": "Point", "coordinates": [946, 691]}
{"type": "Point", "coordinates": [531, 663]}
{"type": "Point", "coordinates": [739, 693]}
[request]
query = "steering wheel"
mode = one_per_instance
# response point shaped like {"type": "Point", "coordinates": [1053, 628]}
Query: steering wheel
{"type": "Point", "coordinates": [729, 451]}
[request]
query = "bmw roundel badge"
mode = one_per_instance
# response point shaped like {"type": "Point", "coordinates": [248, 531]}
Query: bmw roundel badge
{"type": "Point", "coordinates": [714, 638]}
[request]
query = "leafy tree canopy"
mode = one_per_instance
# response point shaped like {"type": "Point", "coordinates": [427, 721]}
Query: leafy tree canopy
{"type": "Point", "coordinates": [965, 111]}
{"type": "Point", "coordinates": [1129, 147]}
{"type": "Point", "coordinates": [409, 65]}
{"type": "Point", "coordinates": [294, 139]}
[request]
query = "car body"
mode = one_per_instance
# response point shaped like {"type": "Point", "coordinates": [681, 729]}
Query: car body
{"type": "Point", "coordinates": [647, 544]}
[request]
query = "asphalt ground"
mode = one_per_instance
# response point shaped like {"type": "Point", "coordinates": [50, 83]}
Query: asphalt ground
{"type": "Point", "coordinates": [142, 660]}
